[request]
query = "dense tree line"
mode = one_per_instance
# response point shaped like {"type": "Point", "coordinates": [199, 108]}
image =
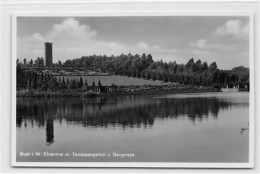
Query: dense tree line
{"type": "Point", "coordinates": [27, 79]}
{"type": "Point", "coordinates": [39, 62]}
{"type": "Point", "coordinates": [143, 66]}
{"type": "Point", "coordinates": [192, 73]}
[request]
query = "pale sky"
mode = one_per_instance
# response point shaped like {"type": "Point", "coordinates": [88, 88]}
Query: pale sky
{"type": "Point", "coordinates": [224, 40]}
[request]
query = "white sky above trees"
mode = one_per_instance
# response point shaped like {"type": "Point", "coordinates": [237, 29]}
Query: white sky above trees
{"type": "Point", "coordinates": [221, 39]}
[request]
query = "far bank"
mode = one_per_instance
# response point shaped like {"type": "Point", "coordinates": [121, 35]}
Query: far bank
{"type": "Point", "coordinates": [121, 90]}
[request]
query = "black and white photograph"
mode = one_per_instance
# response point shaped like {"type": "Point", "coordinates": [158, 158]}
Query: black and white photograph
{"type": "Point", "coordinates": [133, 90]}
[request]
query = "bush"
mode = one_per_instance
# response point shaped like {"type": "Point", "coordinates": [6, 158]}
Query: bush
{"type": "Point", "coordinates": [90, 94]}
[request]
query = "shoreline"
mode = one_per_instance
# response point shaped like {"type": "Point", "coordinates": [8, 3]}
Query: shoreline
{"type": "Point", "coordinates": [92, 94]}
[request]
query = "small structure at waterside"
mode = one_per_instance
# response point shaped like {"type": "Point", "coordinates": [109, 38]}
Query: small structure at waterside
{"type": "Point", "coordinates": [236, 87]}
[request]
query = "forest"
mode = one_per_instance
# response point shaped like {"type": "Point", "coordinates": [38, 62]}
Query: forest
{"type": "Point", "coordinates": [195, 73]}
{"type": "Point", "coordinates": [192, 73]}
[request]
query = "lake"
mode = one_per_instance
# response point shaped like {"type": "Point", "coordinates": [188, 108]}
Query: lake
{"type": "Point", "coordinates": [204, 127]}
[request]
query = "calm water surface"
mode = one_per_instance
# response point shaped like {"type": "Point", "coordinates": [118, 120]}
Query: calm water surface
{"type": "Point", "coordinates": [155, 128]}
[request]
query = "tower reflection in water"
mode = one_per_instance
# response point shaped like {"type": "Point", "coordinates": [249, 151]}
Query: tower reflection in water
{"type": "Point", "coordinates": [49, 131]}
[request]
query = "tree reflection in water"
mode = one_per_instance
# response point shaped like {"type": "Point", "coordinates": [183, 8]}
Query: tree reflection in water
{"type": "Point", "coordinates": [123, 111]}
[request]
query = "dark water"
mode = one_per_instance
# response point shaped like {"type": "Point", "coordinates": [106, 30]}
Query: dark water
{"type": "Point", "coordinates": [151, 128]}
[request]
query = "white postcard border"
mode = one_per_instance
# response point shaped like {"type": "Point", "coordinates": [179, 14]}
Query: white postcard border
{"type": "Point", "coordinates": [250, 164]}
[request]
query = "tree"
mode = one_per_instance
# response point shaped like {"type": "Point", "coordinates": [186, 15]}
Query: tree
{"type": "Point", "coordinates": [59, 63]}
{"type": "Point", "coordinates": [39, 62]}
{"type": "Point", "coordinates": [31, 62]}
{"type": "Point", "coordinates": [86, 83]}
{"type": "Point", "coordinates": [28, 86]}
{"type": "Point", "coordinates": [204, 66]}
{"type": "Point", "coordinates": [99, 83]}
{"type": "Point", "coordinates": [62, 85]}
{"type": "Point", "coordinates": [190, 64]}
{"type": "Point", "coordinates": [149, 59]}
{"type": "Point", "coordinates": [72, 84]}
{"type": "Point", "coordinates": [24, 62]}
{"type": "Point", "coordinates": [85, 86]}
{"type": "Point", "coordinates": [21, 79]}
{"type": "Point", "coordinates": [213, 66]}
{"type": "Point", "coordinates": [93, 83]}
{"type": "Point", "coordinates": [34, 81]}
{"type": "Point", "coordinates": [80, 83]}
{"type": "Point", "coordinates": [53, 84]}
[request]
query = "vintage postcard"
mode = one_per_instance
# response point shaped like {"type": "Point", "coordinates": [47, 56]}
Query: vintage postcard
{"type": "Point", "coordinates": [146, 90]}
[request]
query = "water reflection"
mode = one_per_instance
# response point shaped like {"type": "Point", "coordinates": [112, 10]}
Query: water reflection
{"type": "Point", "coordinates": [125, 112]}
{"type": "Point", "coordinates": [49, 131]}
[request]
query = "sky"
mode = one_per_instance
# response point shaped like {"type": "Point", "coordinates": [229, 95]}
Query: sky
{"type": "Point", "coordinates": [220, 39]}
